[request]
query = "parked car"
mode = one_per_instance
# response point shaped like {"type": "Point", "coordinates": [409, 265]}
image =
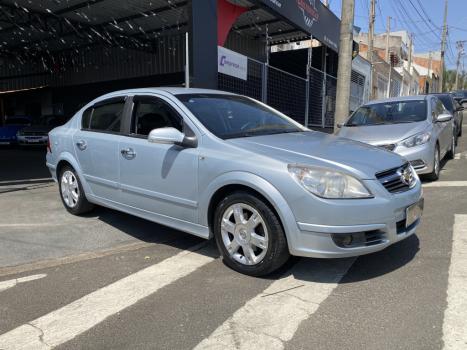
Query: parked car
{"type": "Point", "coordinates": [459, 95]}
{"type": "Point", "coordinates": [419, 128]}
{"type": "Point", "coordinates": [455, 108]}
{"type": "Point", "coordinates": [11, 127]}
{"type": "Point", "coordinates": [220, 165]}
{"type": "Point", "coordinates": [37, 132]}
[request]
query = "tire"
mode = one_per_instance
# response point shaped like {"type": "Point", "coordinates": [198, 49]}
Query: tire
{"type": "Point", "coordinates": [243, 220]}
{"type": "Point", "coordinates": [452, 152]}
{"type": "Point", "coordinates": [434, 175]}
{"type": "Point", "coordinates": [73, 196]}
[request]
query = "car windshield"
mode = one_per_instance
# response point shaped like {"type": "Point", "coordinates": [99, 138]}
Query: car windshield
{"type": "Point", "coordinates": [47, 120]}
{"type": "Point", "coordinates": [17, 121]}
{"type": "Point", "coordinates": [389, 113]}
{"type": "Point", "coordinates": [231, 116]}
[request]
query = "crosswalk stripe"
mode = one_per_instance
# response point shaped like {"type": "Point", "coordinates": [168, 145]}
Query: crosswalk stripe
{"type": "Point", "coordinates": [271, 318]}
{"type": "Point", "coordinates": [4, 285]}
{"type": "Point", "coordinates": [446, 184]}
{"type": "Point", "coordinates": [455, 315]}
{"type": "Point", "coordinates": [81, 315]}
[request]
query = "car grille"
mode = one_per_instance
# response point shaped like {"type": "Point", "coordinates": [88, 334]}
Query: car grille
{"type": "Point", "coordinates": [33, 133]}
{"type": "Point", "coordinates": [389, 147]}
{"type": "Point", "coordinates": [391, 179]}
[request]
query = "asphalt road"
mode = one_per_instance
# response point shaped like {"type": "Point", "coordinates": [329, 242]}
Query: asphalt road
{"type": "Point", "coordinates": [112, 281]}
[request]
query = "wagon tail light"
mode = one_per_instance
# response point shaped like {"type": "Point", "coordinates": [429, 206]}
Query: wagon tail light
{"type": "Point", "coordinates": [49, 149]}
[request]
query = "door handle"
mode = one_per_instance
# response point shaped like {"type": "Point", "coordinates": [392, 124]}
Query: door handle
{"type": "Point", "coordinates": [128, 153]}
{"type": "Point", "coordinates": [82, 145]}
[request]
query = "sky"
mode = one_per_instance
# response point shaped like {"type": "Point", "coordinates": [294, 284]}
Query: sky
{"type": "Point", "coordinates": [423, 18]}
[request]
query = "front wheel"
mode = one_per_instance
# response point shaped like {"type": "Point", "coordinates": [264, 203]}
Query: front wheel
{"type": "Point", "coordinates": [452, 152]}
{"type": "Point", "coordinates": [71, 192]}
{"type": "Point", "coordinates": [249, 235]}
{"type": "Point", "coordinates": [434, 175]}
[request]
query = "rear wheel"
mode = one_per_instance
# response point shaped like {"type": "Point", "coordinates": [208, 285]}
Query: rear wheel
{"type": "Point", "coordinates": [249, 235]}
{"type": "Point", "coordinates": [434, 175]}
{"type": "Point", "coordinates": [452, 152]}
{"type": "Point", "coordinates": [71, 192]}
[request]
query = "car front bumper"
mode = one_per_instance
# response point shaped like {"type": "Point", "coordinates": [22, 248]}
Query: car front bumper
{"type": "Point", "coordinates": [421, 157]}
{"type": "Point", "coordinates": [377, 222]}
{"type": "Point", "coordinates": [32, 140]}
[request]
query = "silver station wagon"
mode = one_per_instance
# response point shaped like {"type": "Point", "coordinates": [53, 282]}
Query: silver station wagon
{"type": "Point", "coordinates": [220, 165]}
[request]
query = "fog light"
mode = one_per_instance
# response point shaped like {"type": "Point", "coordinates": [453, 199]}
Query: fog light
{"type": "Point", "coordinates": [342, 240]}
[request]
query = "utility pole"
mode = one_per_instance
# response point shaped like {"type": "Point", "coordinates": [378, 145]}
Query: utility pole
{"type": "Point", "coordinates": [388, 57]}
{"type": "Point", "coordinates": [344, 69]}
{"type": "Point", "coordinates": [460, 52]}
{"type": "Point", "coordinates": [430, 61]}
{"type": "Point", "coordinates": [443, 46]}
{"type": "Point", "coordinates": [409, 68]}
{"type": "Point", "coordinates": [371, 38]}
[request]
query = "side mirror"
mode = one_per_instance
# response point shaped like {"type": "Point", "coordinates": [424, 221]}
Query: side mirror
{"type": "Point", "coordinates": [460, 108]}
{"type": "Point", "coordinates": [171, 136]}
{"type": "Point", "coordinates": [445, 117]}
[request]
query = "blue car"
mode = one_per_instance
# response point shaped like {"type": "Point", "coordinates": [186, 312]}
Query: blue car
{"type": "Point", "coordinates": [11, 127]}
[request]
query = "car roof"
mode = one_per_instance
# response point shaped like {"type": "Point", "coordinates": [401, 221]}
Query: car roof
{"type": "Point", "coordinates": [168, 90]}
{"type": "Point", "coordinates": [399, 99]}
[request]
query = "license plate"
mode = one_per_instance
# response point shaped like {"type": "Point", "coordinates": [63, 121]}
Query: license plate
{"type": "Point", "coordinates": [413, 213]}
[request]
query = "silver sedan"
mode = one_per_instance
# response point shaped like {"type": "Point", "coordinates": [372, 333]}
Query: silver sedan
{"type": "Point", "coordinates": [418, 128]}
{"type": "Point", "coordinates": [220, 165]}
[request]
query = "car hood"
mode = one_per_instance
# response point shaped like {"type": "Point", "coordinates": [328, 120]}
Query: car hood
{"type": "Point", "coordinates": [382, 134]}
{"type": "Point", "coordinates": [38, 128]}
{"type": "Point", "coordinates": [320, 149]}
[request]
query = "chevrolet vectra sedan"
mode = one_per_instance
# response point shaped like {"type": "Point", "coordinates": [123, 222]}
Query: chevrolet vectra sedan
{"type": "Point", "coordinates": [220, 165]}
{"type": "Point", "coordinates": [419, 128]}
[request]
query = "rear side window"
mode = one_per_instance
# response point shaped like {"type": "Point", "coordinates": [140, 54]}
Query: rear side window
{"type": "Point", "coordinates": [104, 117]}
{"type": "Point", "coordinates": [86, 118]}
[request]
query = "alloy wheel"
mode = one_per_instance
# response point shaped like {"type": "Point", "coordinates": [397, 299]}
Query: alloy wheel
{"type": "Point", "coordinates": [244, 234]}
{"type": "Point", "coordinates": [69, 188]}
{"type": "Point", "coordinates": [437, 165]}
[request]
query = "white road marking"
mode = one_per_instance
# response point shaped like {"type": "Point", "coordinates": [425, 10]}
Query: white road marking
{"type": "Point", "coordinates": [4, 285]}
{"type": "Point", "coordinates": [446, 184]}
{"type": "Point", "coordinates": [270, 319]}
{"type": "Point", "coordinates": [81, 315]}
{"type": "Point", "coordinates": [455, 315]}
{"type": "Point", "coordinates": [457, 156]}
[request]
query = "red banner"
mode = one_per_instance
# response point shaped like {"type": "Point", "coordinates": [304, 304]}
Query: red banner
{"type": "Point", "coordinates": [227, 14]}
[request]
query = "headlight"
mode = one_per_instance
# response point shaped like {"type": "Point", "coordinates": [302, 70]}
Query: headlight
{"type": "Point", "coordinates": [327, 183]}
{"type": "Point", "coordinates": [417, 140]}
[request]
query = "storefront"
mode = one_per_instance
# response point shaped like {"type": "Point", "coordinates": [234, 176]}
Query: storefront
{"type": "Point", "coordinates": [65, 53]}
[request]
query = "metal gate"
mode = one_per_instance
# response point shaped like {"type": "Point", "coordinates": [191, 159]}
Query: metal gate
{"type": "Point", "coordinates": [310, 102]}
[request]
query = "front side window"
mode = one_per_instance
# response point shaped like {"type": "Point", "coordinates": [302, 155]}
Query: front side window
{"type": "Point", "coordinates": [231, 116]}
{"type": "Point", "coordinates": [152, 113]}
{"type": "Point", "coordinates": [105, 117]}
{"type": "Point", "coordinates": [389, 113]}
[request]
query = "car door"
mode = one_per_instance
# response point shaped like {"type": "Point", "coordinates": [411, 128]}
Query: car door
{"type": "Point", "coordinates": [97, 147]}
{"type": "Point", "coordinates": [158, 178]}
{"type": "Point", "coordinates": [444, 129]}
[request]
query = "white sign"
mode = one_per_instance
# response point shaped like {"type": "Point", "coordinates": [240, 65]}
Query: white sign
{"type": "Point", "coordinates": [232, 63]}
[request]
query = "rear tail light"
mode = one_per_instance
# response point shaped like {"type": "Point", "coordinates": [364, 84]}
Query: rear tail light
{"type": "Point", "coordinates": [49, 149]}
